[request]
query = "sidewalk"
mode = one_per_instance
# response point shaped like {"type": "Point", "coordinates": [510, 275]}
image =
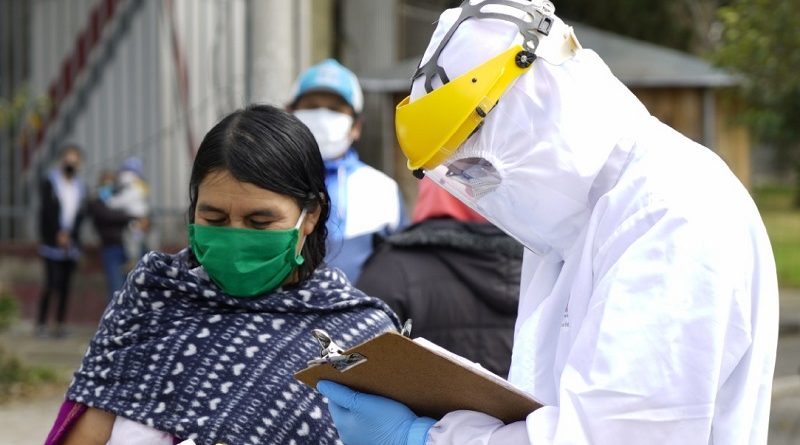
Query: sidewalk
{"type": "Point", "coordinates": [27, 422]}
{"type": "Point", "coordinates": [784, 422]}
{"type": "Point", "coordinates": [61, 355]}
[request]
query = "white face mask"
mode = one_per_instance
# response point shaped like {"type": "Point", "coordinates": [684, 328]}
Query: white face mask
{"type": "Point", "coordinates": [331, 129]}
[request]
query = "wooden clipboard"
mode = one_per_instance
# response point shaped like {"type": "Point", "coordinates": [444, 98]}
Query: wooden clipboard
{"type": "Point", "coordinates": [427, 381]}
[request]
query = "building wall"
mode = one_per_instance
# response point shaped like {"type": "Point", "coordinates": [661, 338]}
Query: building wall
{"type": "Point", "coordinates": [733, 142]}
{"type": "Point", "coordinates": [680, 108]}
{"type": "Point", "coordinates": [201, 75]}
{"type": "Point", "coordinates": [684, 109]}
{"type": "Point", "coordinates": [323, 30]}
{"type": "Point", "coordinates": [15, 53]}
{"type": "Point", "coordinates": [157, 82]}
{"type": "Point", "coordinates": [160, 76]}
{"type": "Point", "coordinates": [368, 40]}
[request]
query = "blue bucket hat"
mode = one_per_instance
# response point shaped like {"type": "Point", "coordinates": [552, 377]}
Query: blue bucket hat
{"type": "Point", "coordinates": [330, 76]}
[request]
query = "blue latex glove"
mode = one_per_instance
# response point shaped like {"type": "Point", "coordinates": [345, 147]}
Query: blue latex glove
{"type": "Point", "coordinates": [366, 419]}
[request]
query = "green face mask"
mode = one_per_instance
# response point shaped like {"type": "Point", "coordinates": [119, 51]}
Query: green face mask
{"type": "Point", "coordinates": [246, 262]}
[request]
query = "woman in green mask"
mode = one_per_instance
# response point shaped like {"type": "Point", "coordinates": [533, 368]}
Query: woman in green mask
{"type": "Point", "coordinates": [203, 344]}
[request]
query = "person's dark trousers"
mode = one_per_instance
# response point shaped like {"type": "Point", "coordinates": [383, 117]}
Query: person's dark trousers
{"type": "Point", "coordinates": [113, 261]}
{"type": "Point", "coordinates": [58, 277]}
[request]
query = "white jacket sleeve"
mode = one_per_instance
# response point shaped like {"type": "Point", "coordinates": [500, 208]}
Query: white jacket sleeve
{"type": "Point", "coordinates": [474, 428]}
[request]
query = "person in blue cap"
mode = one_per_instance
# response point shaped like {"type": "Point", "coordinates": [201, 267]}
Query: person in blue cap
{"type": "Point", "coordinates": [327, 98]}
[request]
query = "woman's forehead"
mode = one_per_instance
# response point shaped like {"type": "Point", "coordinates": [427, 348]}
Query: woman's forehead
{"type": "Point", "coordinates": [220, 188]}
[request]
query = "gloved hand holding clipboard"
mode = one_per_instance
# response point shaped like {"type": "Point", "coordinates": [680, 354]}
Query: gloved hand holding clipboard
{"type": "Point", "coordinates": [426, 378]}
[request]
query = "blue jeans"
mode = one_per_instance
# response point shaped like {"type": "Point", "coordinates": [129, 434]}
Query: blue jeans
{"type": "Point", "coordinates": [113, 262]}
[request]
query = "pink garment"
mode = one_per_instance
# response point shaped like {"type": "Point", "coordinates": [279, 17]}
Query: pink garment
{"type": "Point", "coordinates": [434, 202]}
{"type": "Point", "coordinates": [69, 413]}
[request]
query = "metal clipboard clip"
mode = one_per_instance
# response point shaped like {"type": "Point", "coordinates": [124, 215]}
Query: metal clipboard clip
{"type": "Point", "coordinates": [332, 353]}
{"type": "Point", "coordinates": [406, 331]}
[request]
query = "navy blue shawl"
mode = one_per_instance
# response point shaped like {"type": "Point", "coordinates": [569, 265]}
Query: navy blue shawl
{"type": "Point", "coordinates": [174, 352]}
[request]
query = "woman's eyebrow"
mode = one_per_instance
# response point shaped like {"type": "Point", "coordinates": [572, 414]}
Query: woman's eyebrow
{"type": "Point", "coordinates": [209, 208]}
{"type": "Point", "coordinates": [269, 213]}
{"type": "Point", "coordinates": [265, 212]}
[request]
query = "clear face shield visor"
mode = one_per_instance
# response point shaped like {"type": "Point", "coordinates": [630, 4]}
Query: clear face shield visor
{"type": "Point", "coordinates": [476, 183]}
{"type": "Point", "coordinates": [468, 179]}
{"type": "Point", "coordinates": [504, 201]}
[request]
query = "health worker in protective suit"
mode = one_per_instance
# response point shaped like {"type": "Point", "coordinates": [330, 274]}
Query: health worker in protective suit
{"type": "Point", "coordinates": [648, 301]}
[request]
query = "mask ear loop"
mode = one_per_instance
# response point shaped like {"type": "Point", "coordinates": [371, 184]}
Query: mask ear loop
{"type": "Point", "coordinates": [301, 218]}
{"type": "Point", "coordinates": [297, 226]}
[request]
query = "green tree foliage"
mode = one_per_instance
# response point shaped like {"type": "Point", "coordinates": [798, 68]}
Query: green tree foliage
{"type": "Point", "coordinates": [644, 20]}
{"type": "Point", "coordinates": [681, 24]}
{"type": "Point", "coordinates": [761, 40]}
{"type": "Point", "coordinates": [686, 25]}
{"type": "Point", "coordinates": [22, 111]}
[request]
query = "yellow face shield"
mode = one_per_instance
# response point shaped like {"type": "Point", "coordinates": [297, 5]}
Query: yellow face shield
{"type": "Point", "coordinates": [433, 127]}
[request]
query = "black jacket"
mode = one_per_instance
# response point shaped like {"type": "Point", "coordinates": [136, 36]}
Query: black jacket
{"type": "Point", "coordinates": [109, 223]}
{"type": "Point", "coordinates": [458, 281]}
{"type": "Point", "coordinates": [50, 214]}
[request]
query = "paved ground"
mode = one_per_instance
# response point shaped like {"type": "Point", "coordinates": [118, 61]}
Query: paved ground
{"type": "Point", "coordinates": [785, 413]}
{"type": "Point", "coordinates": [26, 422]}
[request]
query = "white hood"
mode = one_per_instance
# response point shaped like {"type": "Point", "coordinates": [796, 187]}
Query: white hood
{"type": "Point", "coordinates": [550, 136]}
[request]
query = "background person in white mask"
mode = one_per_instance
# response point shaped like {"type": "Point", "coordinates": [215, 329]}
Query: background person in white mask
{"type": "Point", "coordinates": [648, 300]}
{"type": "Point", "coordinates": [328, 99]}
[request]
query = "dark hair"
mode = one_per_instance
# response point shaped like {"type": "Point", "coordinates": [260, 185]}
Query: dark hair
{"type": "Point", "coordinates": [271, 149]}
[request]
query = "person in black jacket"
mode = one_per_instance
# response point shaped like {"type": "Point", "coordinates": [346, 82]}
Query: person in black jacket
{"type": "Point", "coordinates": [110, 225]}
{"type": "Point", "coordinates": [455, 275]}
{"type": "Point", "coordinates": [62, 198]}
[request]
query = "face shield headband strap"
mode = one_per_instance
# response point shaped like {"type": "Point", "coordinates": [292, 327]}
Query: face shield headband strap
{"type": "Point", "coordinates": [540, 13]}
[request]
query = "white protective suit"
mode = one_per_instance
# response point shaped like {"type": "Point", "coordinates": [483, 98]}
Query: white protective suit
{"type": "Point", "coordinates": [650, 314]}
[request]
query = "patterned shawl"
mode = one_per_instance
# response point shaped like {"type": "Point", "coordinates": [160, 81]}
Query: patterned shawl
{"type": "Point", "coordinates": [174, 352]}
